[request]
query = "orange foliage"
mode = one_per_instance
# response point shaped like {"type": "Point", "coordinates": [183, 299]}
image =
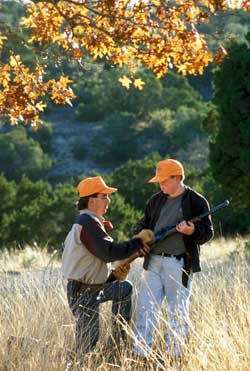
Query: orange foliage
{"type": "Point", "coordinates": [220, 54]}
{"type": "Point", "coordinates": [21, 91]}
{"type": "Point", "coordinates": [158, 34]}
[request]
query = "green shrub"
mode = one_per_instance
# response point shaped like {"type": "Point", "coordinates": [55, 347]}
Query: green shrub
{"type": "Point", "coordinates": [116, 142]}
{"type": "Point", "coordinates": [101, 93]}
{"type": "Point", "coordinates": [132, 178]}
{"type": "Point", "coordinates": [78, 147]}
{"type": "Point", "coordinates": [21, 155]}
{"type": "Point", "coordinates": [43, 136]}
{"type": "Point", "coordinates": [123, 217]}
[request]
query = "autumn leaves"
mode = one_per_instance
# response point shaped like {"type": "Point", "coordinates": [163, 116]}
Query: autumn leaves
{"type": "Point", "coordinates": [157, 34]}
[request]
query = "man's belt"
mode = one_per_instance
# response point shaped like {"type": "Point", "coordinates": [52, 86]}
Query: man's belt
{"type": "Point", "coordinates": [178, 257]}
{"type": "Point", "coordinates": [80, 286]}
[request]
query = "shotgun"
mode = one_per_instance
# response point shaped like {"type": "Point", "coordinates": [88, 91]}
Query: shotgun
{"type": "Point", "coordinates": [169, 230]}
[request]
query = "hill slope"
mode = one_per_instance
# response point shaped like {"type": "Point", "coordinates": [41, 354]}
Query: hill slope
{"type": "Point", "coordinates": [66, 131]}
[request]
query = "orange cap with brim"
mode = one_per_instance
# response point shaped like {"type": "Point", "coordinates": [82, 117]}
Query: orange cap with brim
{"type": "Point", "coordinates": [92, 185]}
{"type": "Point", "coordinates": [166, 168]}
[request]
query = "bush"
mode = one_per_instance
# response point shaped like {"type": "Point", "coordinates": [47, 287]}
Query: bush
{"type": "Point", "coordinates": [123, 217]}
{"type": "Point", "coordinates": [101, 93]}
{"type": "Point", "coordinates": [155, 133]}
{"type": "Point", "coordinates": [21, 155]}
{"type": "Point", "coordinates": [43, 136]}
{"type": "Point", "coordinates": [34, 212]}
{"type": "Point", "coordinates": [132, 178]}
{"type": "Point", "coordinates": [115, 142]}
{"type": "Point", "coordinates": [78, 149]}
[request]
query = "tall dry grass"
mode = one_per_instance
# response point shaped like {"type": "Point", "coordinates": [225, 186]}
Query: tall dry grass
{"type": "Point", "coordinates": [33, 305]}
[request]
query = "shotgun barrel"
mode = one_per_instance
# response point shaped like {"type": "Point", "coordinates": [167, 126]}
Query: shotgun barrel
{"type": "Point", "coordinates": [168, 230]}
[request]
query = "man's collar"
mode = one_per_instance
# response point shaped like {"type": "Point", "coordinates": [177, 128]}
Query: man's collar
{"type": "Point", "coordinates": [92, 213]}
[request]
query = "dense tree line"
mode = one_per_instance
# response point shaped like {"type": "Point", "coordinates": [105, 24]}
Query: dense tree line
{"type": "Point", "coordinates": [34, 211]}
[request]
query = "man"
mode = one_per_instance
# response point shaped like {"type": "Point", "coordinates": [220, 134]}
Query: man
{"type": "Point", "coordinates": [169, 267]}
{"type": "Point", "coordinates": [88, 250]}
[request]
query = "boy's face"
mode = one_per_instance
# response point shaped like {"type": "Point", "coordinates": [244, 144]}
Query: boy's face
{"type": "Point", "coordinates": [170, 185]}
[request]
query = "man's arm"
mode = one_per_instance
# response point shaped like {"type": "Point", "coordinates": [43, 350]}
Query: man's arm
{"type": "Point", "coordinates": [100, 244]}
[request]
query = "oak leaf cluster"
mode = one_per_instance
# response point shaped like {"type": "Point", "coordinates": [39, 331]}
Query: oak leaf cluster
{"type": "Point", "coordinates": [158, 34]}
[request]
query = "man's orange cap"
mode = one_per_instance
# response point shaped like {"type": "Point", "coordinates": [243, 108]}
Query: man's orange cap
{"type": "Point", "coordinates": [166, 168]}
{"type": "Point", "coordinates": [92, 185]}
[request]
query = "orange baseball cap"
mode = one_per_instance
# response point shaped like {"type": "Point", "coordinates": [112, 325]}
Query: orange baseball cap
{"type": "Point", "coordinates": [166, 168]}
{"type": "Point", "coordinates": [91, 185]}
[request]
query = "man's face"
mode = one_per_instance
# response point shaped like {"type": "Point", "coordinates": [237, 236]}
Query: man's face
{"type": "Point", "coordinates": [170, 185]}
{"type": "Point", "coordinates": [100, 204]}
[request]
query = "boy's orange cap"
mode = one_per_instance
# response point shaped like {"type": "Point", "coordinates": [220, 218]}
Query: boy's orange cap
{"type": "Point", "coordinates": [92, 185]}
{"type": "Point", "coordinates": [166, 168]}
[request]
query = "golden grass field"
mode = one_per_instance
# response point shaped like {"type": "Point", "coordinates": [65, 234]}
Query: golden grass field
{"type": "Point", "coordinates": [33, 305]}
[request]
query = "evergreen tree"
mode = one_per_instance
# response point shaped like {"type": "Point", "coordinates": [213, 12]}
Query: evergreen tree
{"type": "Point", "coordinates": [132, 178]}
{"type": "Point", "coordinates": [229, 147]}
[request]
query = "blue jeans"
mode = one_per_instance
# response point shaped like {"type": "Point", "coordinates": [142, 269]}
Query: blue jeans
{"type": "Point", "coordinates": [163, 279]}
{"type": "Point", "coordinates": [85, 308]}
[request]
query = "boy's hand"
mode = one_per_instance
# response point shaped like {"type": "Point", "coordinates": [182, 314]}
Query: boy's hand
{"type": "Point", "coordinates": [185, 228]}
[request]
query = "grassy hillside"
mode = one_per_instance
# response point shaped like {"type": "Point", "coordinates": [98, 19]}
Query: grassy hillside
{"type": "Point", "coordinates": [35, 306]}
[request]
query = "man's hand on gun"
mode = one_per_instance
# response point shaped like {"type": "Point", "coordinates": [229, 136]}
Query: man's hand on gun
{"type": "Point", "coordinates": [147, 237]}
{"type": "Point", "coordinates": [122, 269]}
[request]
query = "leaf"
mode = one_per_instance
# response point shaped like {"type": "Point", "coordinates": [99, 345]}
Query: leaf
{"type": "Point", "coordinates": [1, 40]}
{"type": "Point", "coordinates": [13, 61]}
{"type": "Point", "coordinates": [78, 54]}
{"type": "Point", "coordinates": [138, 83]}
{"type": "Point", "coordinates": [125, 81]}
{"type": "Point", "coordinates": [40, 106]}
{"type": "Point", "coordinates": [220, 55]}
{"type": "Point", "coordinates": [64, 80]}
{"type": "Point", "coordinates": [156, 34]}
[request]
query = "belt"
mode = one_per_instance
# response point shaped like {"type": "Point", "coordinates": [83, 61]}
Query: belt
{"type": "Point", "coordinates": [80, 286]}
{"type": "Point", "coordinates": [178, 257]}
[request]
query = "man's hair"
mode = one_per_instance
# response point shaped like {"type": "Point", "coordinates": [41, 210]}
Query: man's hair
{"type": "Point", "coordinates": [84, 201]}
